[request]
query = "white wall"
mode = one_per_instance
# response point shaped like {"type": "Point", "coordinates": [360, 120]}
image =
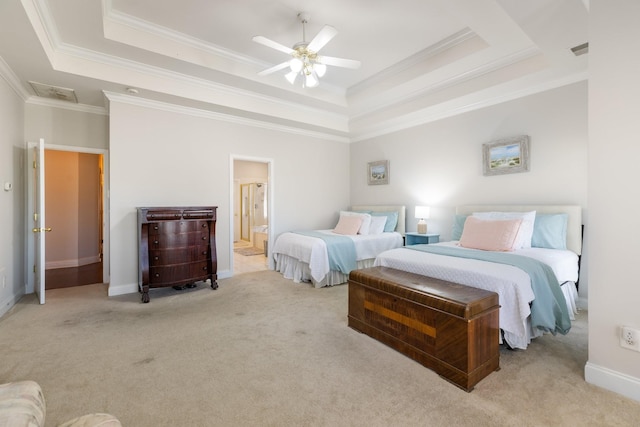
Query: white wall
{"type": "Point", "coordinates": [60, 126]}
{"type": "Point", "coordinates": [440, 164]}
{"type": "Point", "coordinates": [614, 150]}
{"type": "Point", "coordinates": [161, 158]}
{"type": "Point", "coordinates": [12, 205]}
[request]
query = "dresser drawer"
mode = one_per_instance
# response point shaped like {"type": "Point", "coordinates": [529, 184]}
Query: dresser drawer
{"type": "Point", "coordinates": [167, 241]}
{"type": "Point", "coordinates": [176, 273]}
{"type": "Point", "coordinates": [178, 256]}
{"type": "Point", "coordinates": [199, 213]}
{"type": "Point", "coordinates": [175, 227]}
{"type": "Point", "coordinates": [154, 215]}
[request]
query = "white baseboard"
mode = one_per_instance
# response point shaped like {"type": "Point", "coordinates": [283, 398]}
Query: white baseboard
{"type": "Point", "coordinates": [8, 302]}
{"type": "Point", "coordinates": [66, 263]}
{"type": "Point", "coordinates": [611, 380]}
{"type": "Point", "coordinates": [129, 288]}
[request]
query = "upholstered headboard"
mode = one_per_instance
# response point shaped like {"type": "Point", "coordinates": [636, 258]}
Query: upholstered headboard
{"type": "Point", "coordinates": [401, 209]}
{"type": "Point", "coordinates": [574, 224]}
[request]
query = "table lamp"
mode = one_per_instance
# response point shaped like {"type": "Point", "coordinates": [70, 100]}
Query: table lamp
{"type": "Point", "coordinates": [422, 212]}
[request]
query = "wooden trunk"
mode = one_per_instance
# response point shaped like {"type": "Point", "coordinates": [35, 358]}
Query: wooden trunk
{"type": "Point", "coordinates": [450, 328]}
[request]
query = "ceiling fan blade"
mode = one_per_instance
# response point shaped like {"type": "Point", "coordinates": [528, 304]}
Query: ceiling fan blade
{"type": "Point", "coordinates": [274, 68]}
{"type": "Point", "coordinates": [274, 45]}
{"type": "Point", "coordinates": [322, 38]}
{"type": "Point", "coordinates": [339, 62]}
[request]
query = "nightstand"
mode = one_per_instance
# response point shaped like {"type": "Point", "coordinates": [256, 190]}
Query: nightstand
{"type": "Point", "coordinates": [419, 239]}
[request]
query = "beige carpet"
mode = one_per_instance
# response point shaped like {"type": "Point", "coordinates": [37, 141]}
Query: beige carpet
{"type": "Point", "coordinates": [263, 351]}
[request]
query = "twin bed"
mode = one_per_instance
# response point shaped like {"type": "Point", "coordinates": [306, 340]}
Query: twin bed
{"type": "Point", "coordinates": [304, 258]}
{"type": "Point", "coordinates": [528, 308]}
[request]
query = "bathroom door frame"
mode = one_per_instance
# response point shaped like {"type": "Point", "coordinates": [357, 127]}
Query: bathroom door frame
{"type": "Point", "coordinates": [270, 201]}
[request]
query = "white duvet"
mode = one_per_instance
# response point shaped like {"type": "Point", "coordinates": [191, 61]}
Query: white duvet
{"type": "Point", "coordinates": [313, 250]}
{"type": "Point", "coordinates": [512, 285]}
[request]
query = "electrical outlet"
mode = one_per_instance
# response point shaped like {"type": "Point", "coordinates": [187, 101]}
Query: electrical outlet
{"type": "Point", "coordinates": [629, 338]}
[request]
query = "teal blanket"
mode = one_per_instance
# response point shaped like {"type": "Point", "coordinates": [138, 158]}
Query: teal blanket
{"type": "Point", "coordinates": [340, 249]}
{"type": "Point", "coordinates": [548, 310]}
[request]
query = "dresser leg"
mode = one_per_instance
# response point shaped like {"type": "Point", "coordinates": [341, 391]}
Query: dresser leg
{"type": "Point", "coordinates": [145, 294]}
{"type": "Point", "coordinates": [214, 285]}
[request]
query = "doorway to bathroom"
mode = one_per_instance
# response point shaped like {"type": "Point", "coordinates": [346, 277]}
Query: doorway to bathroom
{"type": "Point", "coordinates": [251, 215]}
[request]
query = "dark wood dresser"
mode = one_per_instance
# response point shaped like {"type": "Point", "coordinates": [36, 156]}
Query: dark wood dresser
{"type": "Point", "coordinates": [177, 247]}
{"type": "Point", "coordinates": [450, 328]}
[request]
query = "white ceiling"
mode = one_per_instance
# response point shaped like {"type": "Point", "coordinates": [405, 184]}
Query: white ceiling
{"type": "Point", "coordinates": [421, 59]}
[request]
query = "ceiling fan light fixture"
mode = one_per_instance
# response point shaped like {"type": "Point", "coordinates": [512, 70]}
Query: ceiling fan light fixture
{"type": "Point", "coordinates": [320, 69]}
{"type": "Point", "coordinates": [296, 65]}
{"type": "Point", "coordinates": [305, 59]}
{"type": "Point", "coordinates": [291, 76]}
{"type": "Point", "coordinates": [311, 80]}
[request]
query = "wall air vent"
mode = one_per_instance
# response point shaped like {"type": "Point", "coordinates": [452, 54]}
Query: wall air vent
{"type": "Point", "coordinates": [54, 92]}
{"type": "Point", "coordinates": [581, 49]}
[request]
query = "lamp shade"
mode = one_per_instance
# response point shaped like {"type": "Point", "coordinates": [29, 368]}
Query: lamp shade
{"type": "Point", "coordinates": [422, 212]}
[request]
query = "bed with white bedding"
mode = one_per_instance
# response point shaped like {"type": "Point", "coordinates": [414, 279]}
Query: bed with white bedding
{"type": "Point", "coordinates": [512, 284]}
{"type": "Point", "coordinates": [304, 256]}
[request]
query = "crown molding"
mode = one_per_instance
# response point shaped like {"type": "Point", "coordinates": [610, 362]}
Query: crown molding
{"type": "Point", "coordinates": [83, 108]}
{"type": "Point", "coordinates": [12, 80]}
{"type": "Point", "coordinates": [413, 60]}
{"type": "Point", "coordinates": [474, 73]}
{"type": "Point", "coordinates": [197, 112]}
{"type": "Point", "coordinates": [428, 115]}
{"type": "Point", "coordinates": [113, 16]}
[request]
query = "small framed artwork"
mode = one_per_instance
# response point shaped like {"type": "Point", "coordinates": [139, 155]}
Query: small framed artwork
{"type": "Point", "coordinates": [378, 172]}
{"type": "Point", "coordinates": [509, 155]}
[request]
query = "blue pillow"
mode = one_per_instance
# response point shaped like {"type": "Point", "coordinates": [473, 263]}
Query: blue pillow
{"type": "Point", "coordinates": [458, 226]}
{"type": "Point", "coordinates": [550, 231]}
{"type": "Point", "coordinates": [392, 220]}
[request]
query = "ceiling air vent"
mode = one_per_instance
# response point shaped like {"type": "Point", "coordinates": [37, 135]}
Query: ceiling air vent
{"type": "Point", "coordinates": [581, 49]}
{"type": "Point", "coordinates": [54, 92]}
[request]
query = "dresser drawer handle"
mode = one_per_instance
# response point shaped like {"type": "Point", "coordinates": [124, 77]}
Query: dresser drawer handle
{"type": "Point", "coordinates": [155, 227]}
{"type": "Point", "coordinates": [204, 252]}
{"type": "Point", "coordinates": [204, 268]}
{"type": "Point", "coordinates": [204, 237]}
{"type": "Point", "coordinates": [204, 225]}
{"type": "Point", "coordinates": [157, 274]}
{"type": "Point", "coordinates": [156, 258]}
{"type": "Point", "coordinates": [155, 242]}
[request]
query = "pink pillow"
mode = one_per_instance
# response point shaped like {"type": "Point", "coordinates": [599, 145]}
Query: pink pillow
{"type": "Point", "coordinates": [490, 235]}
{"type": "Point", "coordinates": [348, 224]}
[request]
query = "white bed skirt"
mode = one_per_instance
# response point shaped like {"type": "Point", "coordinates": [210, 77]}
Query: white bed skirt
{"type": "Point", "coordinates": [298, 271]}
{"type": "Point", "coordinates": [571, 296]}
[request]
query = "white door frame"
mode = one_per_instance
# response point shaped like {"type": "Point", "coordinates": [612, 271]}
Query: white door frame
{"type": "Point", "coordinates": [270, 197]}
{"type": "Point", "coordinates": [30, 249]}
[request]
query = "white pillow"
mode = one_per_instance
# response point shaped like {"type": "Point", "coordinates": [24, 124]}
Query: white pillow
{"type": "Point", "coordinates": [377, 224]}
{"type": "Point", "coordinates": [366, 220]}
{"type": "Point", "coordinates": [526, 229]}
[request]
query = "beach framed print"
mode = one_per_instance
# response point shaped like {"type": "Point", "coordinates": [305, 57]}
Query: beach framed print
{"type": "Point", "coordinates": [509, 155]}
{"type": "Point", "coordinates": [378, 172]}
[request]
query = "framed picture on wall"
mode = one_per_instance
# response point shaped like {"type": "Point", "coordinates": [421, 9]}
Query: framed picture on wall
{"type": "Point", "coordinates": [378, 172]}
{"type": "Point", "coordinates": [509, 155]}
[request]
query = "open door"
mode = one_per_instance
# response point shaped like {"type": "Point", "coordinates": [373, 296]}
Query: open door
{"type": "Point", "coordinates": [39, 230]}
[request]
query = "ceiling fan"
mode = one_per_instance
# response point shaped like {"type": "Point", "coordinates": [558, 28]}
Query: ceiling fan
{"type": "Point", "coordinates": [306, 61]}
